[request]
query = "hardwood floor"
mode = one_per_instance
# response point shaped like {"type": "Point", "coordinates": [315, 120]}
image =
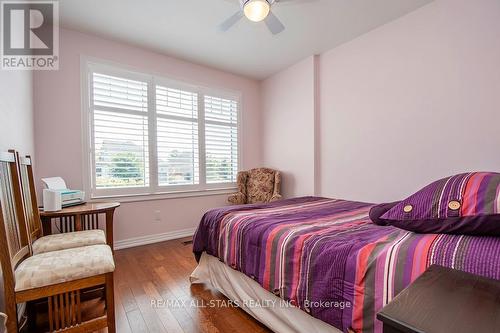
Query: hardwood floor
{"type": "Point", "coordinates": [153, 294]}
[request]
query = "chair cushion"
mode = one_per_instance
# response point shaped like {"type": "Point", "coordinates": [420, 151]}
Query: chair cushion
{"type": "Point", "coordinates": [68, 240]}
{"type": "Point", "coordinates": [62, 266]}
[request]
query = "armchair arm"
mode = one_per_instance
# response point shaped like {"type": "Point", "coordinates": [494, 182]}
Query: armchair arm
{"type": "Point", "coordinates": [276, 197]}
{"type": "Point", "coordinates": [237, 198]}
{"type": "Point", "coordinates": [277, 187]}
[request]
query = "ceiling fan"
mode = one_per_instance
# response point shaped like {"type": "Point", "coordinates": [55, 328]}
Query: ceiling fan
{"type": "Point", "coordinates": [256, 11]}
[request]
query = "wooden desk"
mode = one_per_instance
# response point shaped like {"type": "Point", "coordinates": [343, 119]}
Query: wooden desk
{"type": "Point", "coordinates": [445, 300]}
{"type": "Point", "coordinates": [82, 217]}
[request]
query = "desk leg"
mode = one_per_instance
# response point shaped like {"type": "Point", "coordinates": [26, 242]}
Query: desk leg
{"type": "Point", "coordinates": [46, 225]}
{"type": "Point", "coordinates": [78, 222]}
{"type": "Point", "coordinates": [109, 228]}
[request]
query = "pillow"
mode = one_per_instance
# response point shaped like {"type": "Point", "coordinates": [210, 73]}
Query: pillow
{"type": "Point", "coordinates": [467, 203]}
{"type": "Point", "coordinates": [377, 211]}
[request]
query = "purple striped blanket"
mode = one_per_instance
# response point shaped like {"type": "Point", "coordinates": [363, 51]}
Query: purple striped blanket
{"type": "Point", "coordinates": [326, 256]}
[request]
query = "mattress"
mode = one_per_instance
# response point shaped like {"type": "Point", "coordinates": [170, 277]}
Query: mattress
{"type": "Point", "coordinates": [325, 257]}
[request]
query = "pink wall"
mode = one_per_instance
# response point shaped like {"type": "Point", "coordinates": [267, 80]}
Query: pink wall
{"type": "Point", "coordinates": [16, 110]}
{"type": "Point", "coordinates": [412, 101]}
{"type": "Point", "coordinates": [406, 103]}
{"type": "Point", "coordinates": [288, 126]}
{"type": "Point", "coordinates": [58, 127]}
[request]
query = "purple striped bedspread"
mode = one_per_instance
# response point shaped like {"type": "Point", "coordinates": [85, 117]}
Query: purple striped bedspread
{"type": "Point", "coordinates": [326, 256]}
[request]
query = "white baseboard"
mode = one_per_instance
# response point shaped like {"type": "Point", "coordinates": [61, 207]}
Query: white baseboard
{"type": "Point", "coordinates": [143, 240]}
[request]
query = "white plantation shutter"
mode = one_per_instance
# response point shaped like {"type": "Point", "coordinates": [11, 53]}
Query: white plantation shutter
{"type": "Point", "coordinates": [221, 139]}
{"type": "Point", "coordinates": [119, 93]}
{"type": "Point", "coordinates": [149, 135]}
{"type": "Point", "coordinates": [177, 133]}
{"type": "Point", "coordinates": [120, 132]}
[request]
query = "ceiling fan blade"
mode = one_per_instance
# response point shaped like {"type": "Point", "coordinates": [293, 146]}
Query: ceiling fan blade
{"type": "Point", "coordinates": [274, 24]}
{"type": "Point", "coordinates": [227, 24]}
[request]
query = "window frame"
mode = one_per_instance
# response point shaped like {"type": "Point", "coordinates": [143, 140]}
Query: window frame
{"type": "Point", "coordinates": [154, 191]}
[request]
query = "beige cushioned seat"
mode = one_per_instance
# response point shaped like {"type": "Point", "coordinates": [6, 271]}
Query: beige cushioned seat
{"type": "Point", "coordinates": [68, 240]}
{"type": "Point", "coordinates": [62, 266]}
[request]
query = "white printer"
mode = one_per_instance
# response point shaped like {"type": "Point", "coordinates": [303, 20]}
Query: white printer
{"type": "Point", "coordinates": [56, 195]}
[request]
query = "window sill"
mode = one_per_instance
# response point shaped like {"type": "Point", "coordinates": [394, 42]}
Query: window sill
{"type": "Point", "coordinates": [164, 196]}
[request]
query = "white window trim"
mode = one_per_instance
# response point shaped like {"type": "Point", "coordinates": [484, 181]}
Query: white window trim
{"type": "Point", "coordinates": [153, 192]}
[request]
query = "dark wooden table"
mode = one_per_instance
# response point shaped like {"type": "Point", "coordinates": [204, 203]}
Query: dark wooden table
{"type": "Point", "coordinates": [82, 217]}
{"type": "Point", "coordinates": [445, 300]}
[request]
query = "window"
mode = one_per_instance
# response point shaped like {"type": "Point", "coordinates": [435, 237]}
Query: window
{"type": "Point", "coordinates": [177, 133]}
{"type": "Point", "coordinates": [150, 135]}
{"type": "Point", "coordinates": [120, 132]}
{"type": "Point", "coordinates": [221, 139]}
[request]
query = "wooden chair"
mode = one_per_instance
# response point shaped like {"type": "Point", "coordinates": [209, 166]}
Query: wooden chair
{"type": "Point", "coordinates": [57, 276]}
{"type": "Point", "coordinates": [42, 244]}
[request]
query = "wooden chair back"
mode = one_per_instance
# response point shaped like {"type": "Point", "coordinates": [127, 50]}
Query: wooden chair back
{"type": "Point", "coordinates": [14, 242]}
{"type": "Point", "coordinates": [29, 197]}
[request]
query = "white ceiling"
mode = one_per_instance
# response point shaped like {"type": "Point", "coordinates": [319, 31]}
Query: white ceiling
{"type": "Point", "coordinates": [187, 28]}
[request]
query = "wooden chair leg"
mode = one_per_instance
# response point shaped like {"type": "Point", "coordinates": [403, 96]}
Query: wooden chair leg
{"type": "Point", "coordinates": [11, 312]}
{"type": "Point", "coordinates": [110, 303]}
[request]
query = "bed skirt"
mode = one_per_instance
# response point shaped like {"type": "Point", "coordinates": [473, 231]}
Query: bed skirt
{"type": "Point", "coordinates": [264, 306]}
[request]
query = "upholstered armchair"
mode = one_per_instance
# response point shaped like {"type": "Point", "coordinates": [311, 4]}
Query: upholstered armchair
{"type": "Point", "coordinates": [257, 186]}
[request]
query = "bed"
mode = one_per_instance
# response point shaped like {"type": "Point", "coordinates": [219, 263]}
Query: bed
{"type": "Point", "coordinates": [332, 268]}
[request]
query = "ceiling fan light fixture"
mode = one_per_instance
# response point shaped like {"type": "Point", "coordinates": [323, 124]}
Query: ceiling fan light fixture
{"type": "Point", "coordinates": [256, 10]}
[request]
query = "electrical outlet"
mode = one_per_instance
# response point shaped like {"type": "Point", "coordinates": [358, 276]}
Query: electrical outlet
{"type": "Point", "coordinates": [157, 216]}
